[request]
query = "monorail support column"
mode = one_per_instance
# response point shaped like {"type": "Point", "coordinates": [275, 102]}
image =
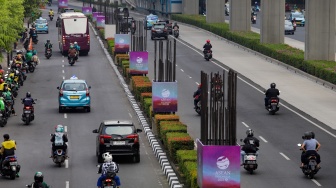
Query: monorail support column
{"type": "Point", "coordinates": [240, 15]}
{"type": "Point", "coordinates": [190, 7]}
{"type": "Point", "coordinates": [215, 11]}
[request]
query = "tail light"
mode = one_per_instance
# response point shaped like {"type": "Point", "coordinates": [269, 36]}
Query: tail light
{"type": "Point", "coordinates": [61, 93]}
{"type": "Point", "coordinates": [153, 30]}
{"type": "Point", "coordinates": [274, 100]}
{"type": "Point", "coordinates": [103, 137]}
{"type": "Point", "coordinates": [108, 180]}
{"type": "Point", "coordinates": [27, 107]}
{"type": "Point", "coordinates": [63, 40]}
{"type": "Point", "coordinates": [135, 137]}
{"type": "Point", "coordinates": [12, 159]}
{"type": "Point", "coordinates": [88, 38]}
{"type": "Point", "coordinates": [87, 93]}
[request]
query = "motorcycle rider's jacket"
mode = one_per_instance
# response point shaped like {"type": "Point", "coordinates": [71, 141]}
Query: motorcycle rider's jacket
{"type": "Point", "coordinates": [176, 27]}
{"type": "Point", "coordinates": [34, 52]}
{"type": "Point", "coordinates": [28, 101]}
{"type": "Point", "coordinates": [2, 105]}
{"type": "Point", "coordinates": [272, 92]}
{"type": "Point", "coordinates": [48, 45]}
{"type": "Point", "coordinates": [207, 46]}
{"type": "Point", "coordinates": [72, 52]}
{"type": "Point", "coordinates": [51, 13]}
{"type": "Point", "coordinates": [7, 95]}
{"type": "Point", "coordinates": [7, 148]}
{"type": "Point", "coordinates": [109, 166]}
{"type": "Point", "coordinates": [77, 47]}
{"type": "Point", "coordinates": [59, 139]}
{"type": "Point", "coordinates": [251, 144]}
{"type": "Point", "coordinates": [29, 56]}
{"type": "Point", "coordinates": [40, 185]}
{"type": "Point", "coordinates": [197, 94]}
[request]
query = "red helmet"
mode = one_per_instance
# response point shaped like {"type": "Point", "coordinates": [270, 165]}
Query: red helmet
{"type": "Point", "coordinates": [200, 85]}
{"type": "Point", "coordinates": [208, 41]}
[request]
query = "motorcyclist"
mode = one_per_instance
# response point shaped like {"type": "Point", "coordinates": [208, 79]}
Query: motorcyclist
{"type": "Point", "coordinates": [251, 145]}
{"type": "Point", "coordinates": [72, 53]}
{"type": "Point", "coordinates": [2, 84]}
{"type": "Point", "coordinates": [28, 101]}
{"type": "Point", "coordinates": [1, 72]}
{"type": "Point", "coordinates": [51, 12]}
{"type": "Point", "coordinates": [271, 93]}
{"type": "Point", "coordinates": [8, 97]}
{"type": "Point", "coordinates": [8, 148]}
{"type": "Point", "coordinates": [34, 52]}
{"type": "Point", "coordinates": [176, 26]}
{"type": "Point", "coordinates": [310, 147]}
{"type": "Point", "coordinates": [47, 46]}
{"type": "Point", "coordinates": [197, 95]}
{"type": "Point", "coordinates": [59, 140]}
{"type": "Point", "coordinates": [77, 47]}
{"type": "Point", "coordinates": [108, 166]}
{"type": "Point", "coordinates": [207, 46]}
{"type": "Point", "coordinates": [32, 33]}
{"type": "Point", "coordinates": [2, 107]}
{"type": "Point", "coordinates": [38, 181]}
{"type": "Point", "coordinates": [29, 56]}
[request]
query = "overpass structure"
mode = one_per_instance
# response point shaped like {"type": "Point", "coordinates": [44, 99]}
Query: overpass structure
{"type": "Point", "coordinates": [320, 20]}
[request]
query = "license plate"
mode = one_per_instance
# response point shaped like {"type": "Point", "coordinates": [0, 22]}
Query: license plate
{"type": "Point", "coordinates": [118, 143]}
{"type": "Point", "coordinates": [27, 111]}
{"type": "Point", "coordinates": [108, 186]}
{"type": "Point", "coordinates": [40, 26]}
{"type": "Point", "coordinates": [12, 163]}
{"type": "Point", "coordinates": [251, 157]}
{"type": "Point", "coordinates": [274, 103]}
{"type": "Point", "coordinates": [74, 97]}
{"type": "Point", "coordinates": [250, 162]}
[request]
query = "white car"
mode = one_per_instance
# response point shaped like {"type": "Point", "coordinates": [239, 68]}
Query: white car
{"type": "Point", "coordinates": [289, 28]}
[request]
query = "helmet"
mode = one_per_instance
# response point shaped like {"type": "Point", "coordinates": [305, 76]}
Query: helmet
{"type": "Point", "coordinates": [75, 43]}
{"type": "Point", "coordinates": [59, 128]}
{"type": "Point", "coordinates": [28, 94]}
{"type": "Point", "coordinates": [249, 132]}
{"type": "Point", "coordinates": [18, 51]}
{"type": "Point", "coordinates": [308, 135]}
{"type": "Point", "coordinates": [208, 41]}
{"type": "Point", "coordinates": [107, 157]}
{"type": "Point", "coordinates": [200, 85]}
{"type": "Point", "coordinates": [273, 85]}
{"type": "Point", "coordinates": [38, 177]}
{"type": "Point", "coordinates": [6, 136]}
{"type": "Point", "coordinates": [48, 40]}
{"type": "Point", "coordinates": [71, 47]}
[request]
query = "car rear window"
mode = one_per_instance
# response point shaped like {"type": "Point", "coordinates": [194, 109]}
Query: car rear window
{"type": "Point", "coordinates": [159, 26]}
{"type": "Point", "coordinates": [120, 130]}
{"type": "Point", "coordinates": [74, 87]}
{"type": "Point", "coordinates": [41, 21]}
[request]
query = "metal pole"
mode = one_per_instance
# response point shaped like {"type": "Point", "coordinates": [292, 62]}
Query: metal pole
{"type": "Point", "coordinates": [174, 61]}
{"type": "Point", "coordinates": [8, 59]}
{"type": "Point", "coordinates": [155, 46]}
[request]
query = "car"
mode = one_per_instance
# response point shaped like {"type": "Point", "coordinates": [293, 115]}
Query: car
{"type": "Point", "coordinates": [159, 30]}
{"type": "Point", "coordinates": [299, 18]}
{"type": "Point", "coordinates": [168, 24]}
{"type": "Point", "coordinates": [289, 28]}
{"type": "Point", "coordinates": [41, 25]}
{"type": "Point", "coordinates": [150, 20]}
{"type": "Point", "coordinates": [74, 93]}
{"type": "Point", "coordinates": [118, 137]}
{"type": "Point", "coordinates": [227, 9]}
{"type": "Point", "coordinates": [63, 10]}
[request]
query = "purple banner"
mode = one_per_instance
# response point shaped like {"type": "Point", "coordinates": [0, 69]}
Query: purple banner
{"type": "Point", "coordinates": [139, 62]}
{"type": "Point", "coordinates": [218, 166]}
{"type": "Point", "coordinates": [100, 22]}
{"type": "Point", "coordinates": [164, 96]}
{"type": "Point", "coordinates": [122, 42]}
{"type": "Point", "coordinates": [62, 3]}
{"type": "Point", "coordinates": [87, 10]}
{"type": "Point", "coordinates": [95, 14]}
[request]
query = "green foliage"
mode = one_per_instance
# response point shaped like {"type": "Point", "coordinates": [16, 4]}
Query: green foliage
{"type": "Point", "coordinates": [183, 156]}
{"type": "Point", "coordinates": [171, 126]}
{"type": "Point", "coordinates": [147, 105]}
{"type": "Point", "coordinates": [163, 117]}
{"type": "Point", "coordinates": [31, 7]}
{"type": "Point", "coordinates": [102, 33]}
{"type": "Point", "coordinates": [178, 141]}
{"type": "Point", "coordinates": [294, 57]}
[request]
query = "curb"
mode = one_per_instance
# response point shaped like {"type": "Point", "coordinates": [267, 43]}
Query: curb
{"type": "Point", "coordinates": [158, 151]}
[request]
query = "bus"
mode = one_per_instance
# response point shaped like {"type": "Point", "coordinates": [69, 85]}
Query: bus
{"type": "Point", "coordinates": [73, 27]}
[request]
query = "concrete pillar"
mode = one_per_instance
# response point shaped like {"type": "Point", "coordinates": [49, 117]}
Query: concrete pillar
{"type": "Point", "coordinates": [190, 7]}
{"type": "Point", "coordinates": [272, 21]}
{"type": "Point", "coordinates": [215, 11]}
{"type": "Point", "coordinates": [320, 30]}
{"type": "Point", "coordinates": [240, 15]}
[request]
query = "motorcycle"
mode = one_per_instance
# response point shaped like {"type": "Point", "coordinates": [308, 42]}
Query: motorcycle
{"type": "Point", "coordinates": [294, 25]}
{"type": "Point", "coordinates": [8, 107]}
{"type": "Point", "coordinates": [48, 54]}
{"type": "Point", "coordinates": [208, 55]}
{"type": "Point", "coordinates": [176, 33]}
{"type": "Point", "coordinates": [310, 169]}
{"type": "Point", "coordinates": [72, 61]}
{"type": "Point", "coordinates": [109, 181]}
{"type": "Point", "coordinates": [51, 17]}
{"type": "Point", "coordinates": [10, 167]}
{"type": "Point", "coordinates": [49, 3]}
{"type": "Point", "coordinates": [59, 157]}
{"type": "Point", "coordinates": [28, 114]}
{"type": "Point", "coordinates": [3, 120]}
{"type": "Point", "coordinates": [254, 19]}
{"type": "Point", "coordinates": [31, 66]}
{"type": "Point", "coordinates": [32, 185]}
{"type": "Point", "coordinates": [273, 105]}
{"type": "Point", "coordinates": [250, 161]}
{"type": "Point", "coordinates": [34, 39]}
{"type": "Point", "coordinates": [198, 108]}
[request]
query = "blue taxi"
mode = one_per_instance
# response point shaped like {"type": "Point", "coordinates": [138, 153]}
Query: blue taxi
{"type": "Point", "coordinates": [74, 93]}
{"type": "Point", "coordinates": [41, 25]}
{"type": "Point", "coordinates": [150, 20]}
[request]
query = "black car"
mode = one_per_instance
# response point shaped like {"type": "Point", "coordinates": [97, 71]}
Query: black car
{"type": "Point", "coordinates": [118, 137]}
{"type": "Point", "coordinates": [159, 30]}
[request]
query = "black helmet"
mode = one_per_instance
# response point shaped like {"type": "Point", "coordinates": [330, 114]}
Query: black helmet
{"type": "Point", "coordinates": [273, 85]}
{"type": "Point", "coordinates": [38, 177]}
{"type": "Point", "coordinates": [6, 136]}
{"type": "Point", "coordinates": [48, 40]}
{"type": "Point", "coordinates": [312, 135]}
{"type": "Point", "coordinates": [308, 135]}
{"type": "Point", "coordinates": [249, 132]}
{"type": "Point", "coordinates": [28, 94]}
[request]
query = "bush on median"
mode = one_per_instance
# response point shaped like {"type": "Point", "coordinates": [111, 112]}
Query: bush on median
{"type": "Point", "coordinates": [171, 126]}
{"type": "Point", "coordinates": [325, 70]}
{"type": "Point", "coordinates": [147, 105]}
{"type": "Point", "coordinates": [143, 96]}
{"type": "Point", "coordinates": [190, 174]}
{"type": "Point", "coordinates": [178, 141]}
{"type": "Point", "coordinates": [164, 117]}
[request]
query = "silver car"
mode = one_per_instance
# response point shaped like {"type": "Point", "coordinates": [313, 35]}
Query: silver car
{"type": "Point", "coordinates": [227, 9]}
{"type": "Point", "coordinates": [289, 28]}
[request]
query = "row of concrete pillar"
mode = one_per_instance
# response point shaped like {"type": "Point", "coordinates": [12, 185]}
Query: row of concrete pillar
{"type": "Point", "coordinates": [319, 15]}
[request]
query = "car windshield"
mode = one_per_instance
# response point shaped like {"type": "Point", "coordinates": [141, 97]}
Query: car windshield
{"type": "Point", "coordinates": [119, 130]}
{"type": "Point", "coordinates": [41, 21]}
{"type": "Point", "coordinates": [74, 87]}
{"type": "Point", "coordinates": [152, 17]}
{"type": "Point", "coordinates": [75, 25]}
{"type": "Point", "coordinates": [159, 26]}
{"type": "Point", "coordinates": [298, 16]}
{"type": "Point", "coordinates": [287, 22]}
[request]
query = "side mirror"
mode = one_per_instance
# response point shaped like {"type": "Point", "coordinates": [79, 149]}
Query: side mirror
{"type": "Point", "coordinates": [98, 166]}
{"type": "Point", "coordinates": [58, 87]}
{"type": "Point", "coordinates": [138, 130]}
{"type": "Point", "coordinates": [95, 131]}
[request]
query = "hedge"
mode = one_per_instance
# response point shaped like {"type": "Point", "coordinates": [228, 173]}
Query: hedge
{"type": "Point", "coordinates": [178, 141]}
{"type": "Point", "coordinates": [147, 105]}
{"type": "Point", "coordinates": [171, 126]}
{"type": "Point", "coordinates": [183, 156]}
{"type": "Point", "coordinates": [164, 117]}
{"type": "Point", "coordinates": [144, 96]}
{"type": "Point", "coordinates": [325, 70]}
{"type": "Point", "coordinates": [139, 88]}
{"type": "Point", "coordinates": [190, 174]}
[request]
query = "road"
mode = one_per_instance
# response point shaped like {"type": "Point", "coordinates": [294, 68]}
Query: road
{"type": "Point", "coordinates": [108, 102]}
{"type": "Point", "coordinates": [279, 135]}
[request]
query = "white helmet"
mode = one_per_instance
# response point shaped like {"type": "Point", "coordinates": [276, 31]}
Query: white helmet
{"type": "Point", "coordinates": [107, 157]}
{"type": "Point", "coordinates": [75, 43]}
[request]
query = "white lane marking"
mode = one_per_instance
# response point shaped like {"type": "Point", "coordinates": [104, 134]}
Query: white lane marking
{"type": "Point", "coordinates": [197, 83]}
{"type": "Point", "coordinates": [316, 182]}
{"type": "Point", "coordinates": [287, 158]}
{"type": "Point", "coordinates": [195, 146]}
{"type": "Point", "coordinates": [63, 77]}
{"type": "Point", "coordinates": [245, 124]}
{"type": "Point", "coordinates": [63, 71]}
{"type": "Point", "coordinates": [62, 61]}
{"type": "Point", "coordinates": [130, 114]}
{"type": "Point", "coordinates": [66, 162]}
{"type": "Point", "coordinates": [189, 76]}
{"type": "Point", "coordinates": [263, 139]}
{"type": "Point", "coordinates": [65, 115]}
{"type": "Point", "coordinates": [65, 128]}
{"type": "Point", "coordinates": [67, 184]}
{"type": "Point", "coordinates": [182, 70]}
{"type": "Point", "coordinates": [297, 113]}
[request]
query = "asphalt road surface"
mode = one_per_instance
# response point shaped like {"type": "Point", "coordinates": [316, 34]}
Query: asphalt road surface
{"type": "Point", "coordinates": [108, 102]}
